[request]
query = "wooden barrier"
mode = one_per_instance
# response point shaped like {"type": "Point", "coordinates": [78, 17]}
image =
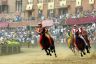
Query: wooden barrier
{"type": "Point", "coordinates": [6, 49]}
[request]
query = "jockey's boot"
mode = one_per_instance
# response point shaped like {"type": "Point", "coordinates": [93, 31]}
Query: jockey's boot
{"type": "Point", "coordinates": [84, 53]}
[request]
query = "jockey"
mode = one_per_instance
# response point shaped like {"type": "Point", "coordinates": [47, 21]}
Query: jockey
{"type": "Point", "coordinates": [74, 30]}
{"type": "Point", "coordinates": [39, 30]}
{"type": "Point", "coordinates": [69, 37]}
{"type": "Point", "coordinates": [68, 34]}
{"type": "Point", "coordinates": [81, 32]}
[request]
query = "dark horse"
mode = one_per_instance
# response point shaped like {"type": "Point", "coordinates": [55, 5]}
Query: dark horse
{"type": "Point", "coordinates": [80, 44]}
{"type": "Point", "coordinates": [85, 36]}
{"type": "Point", "coordinates": [47, 43]}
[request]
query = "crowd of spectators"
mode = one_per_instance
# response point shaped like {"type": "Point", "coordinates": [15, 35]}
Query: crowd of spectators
{"type": "Point", "coordinates": [12, 17]}
{"type": "Point", "coordinates": [23, 35]}
{"type": "Point", "coordinates": [58, 32]}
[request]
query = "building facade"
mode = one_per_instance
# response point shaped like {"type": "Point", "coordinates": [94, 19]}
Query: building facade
{"type": "Point", "coordinates": [54, 8]}
{"type": "Point", "coordinates": [12, 8]}
{"type": "Point", "coordinates": [39, 9]}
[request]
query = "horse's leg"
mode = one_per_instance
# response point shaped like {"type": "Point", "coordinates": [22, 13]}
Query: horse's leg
{"type": "Point", "coordinates": [52, 48]}
{"type": "Point", "coordinates": [49, 52]}
{"type": "Point", "coordinates": [81, 54]}
{"type": "Point", "coordinates": [84, 53]}
{"type": "Point", "coordinates": [54, 52]}
{"type": "Point", "coordinates": [46, 52]}
{"type": "Point", "coordinates": [87, 49]}
{"type": "Point", "coordinates": [74, 49]}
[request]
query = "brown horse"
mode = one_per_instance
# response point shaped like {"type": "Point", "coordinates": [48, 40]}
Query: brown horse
{"type": "Point", "coordinates": [47, 43]}
{"type": "Point", "coordinates": [85, 36]}
{"type": "Point", "coordinates": [81, 45]}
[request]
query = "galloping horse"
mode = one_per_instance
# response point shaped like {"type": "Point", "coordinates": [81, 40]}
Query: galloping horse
{"type": "Point", "coordinates": [81, 44]}
{"type": "Point", "coordinates": [76, 40]}
{"type": "Point", "coordinates": [85, 36]}
{"type": "Point", "coordinates": [47, 43]}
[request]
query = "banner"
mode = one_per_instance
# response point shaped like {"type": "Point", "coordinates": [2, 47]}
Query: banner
{"type": "Point", "coordinates": [29, 6]}
{"type": "Point", "coordinates": [40, 6]}
{"type": "Point", "coordinates": [51, 5]}
{"type": "Point", "coordinates": [91, 1]}
{"type": "Point", "coordinates": [78, 2]}
{"type": "Point", "coordinates": [63, 3]}
{"type": "Point", "coordinates": [47, 23]}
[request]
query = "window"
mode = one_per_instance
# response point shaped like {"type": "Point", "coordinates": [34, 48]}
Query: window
{"type": "Point", "coordinates": [78, 10]}
{"type": "Point", "coordinates": [19, 5]}
{"type": "Point", "coordinates": [50, 0]}
{"type": "Point", "coordinates": [63, 11]}
{"type": "Point", "coordinates": [30, 1]}
{"type": "Point", "coordinates": [51, 13]}
{"type": "Point", "coordinates": [40, 1]}
{"type": "Point", "coordinates": [40, 13]}
{"type": "Point", "coordinates": [0, 8]}
{"type": "Point", "coordinates": [4, 6]}
{"type": "Point", "coordinates": [4, 2]}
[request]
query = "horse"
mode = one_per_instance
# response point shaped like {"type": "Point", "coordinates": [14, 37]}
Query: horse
{"type": "Point", "coordinates": [80, 44]}
{"type": "Point", "coordinates": [85, 36]}
{"type": "Point", "coordinates": [47, 43]}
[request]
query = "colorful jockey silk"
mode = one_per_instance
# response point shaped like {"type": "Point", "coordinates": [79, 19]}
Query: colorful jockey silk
{"type": "Point", "coordinates": [74, 30]}
{"type": "Point", "coordinates": [69, 39]}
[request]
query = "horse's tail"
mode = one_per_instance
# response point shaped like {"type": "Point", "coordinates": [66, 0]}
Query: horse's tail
{"type": "Point", "coordinates": [40, 41]}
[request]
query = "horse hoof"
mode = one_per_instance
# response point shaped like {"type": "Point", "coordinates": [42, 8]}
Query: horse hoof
{"type": "Point", "coordinates": [42, 48]}
{"type": "Point", "coordinates": [52, 51]}
{"type": "Point", "coordinates": [55, 55]}
{"type": "Point", "coordinates": [50, 54]}
{"type": "Point", "coordinates": [47, 54]}
{"type": "Point", "coordinates": [88, 52]}
{"type": "Point", "coordinates": [84, 53]}
{"type": "Point", "coordinates": [81, 55]}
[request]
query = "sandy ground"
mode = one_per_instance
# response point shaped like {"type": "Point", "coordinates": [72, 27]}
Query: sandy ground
{"type": "Point", "coordinates": [37, 56]}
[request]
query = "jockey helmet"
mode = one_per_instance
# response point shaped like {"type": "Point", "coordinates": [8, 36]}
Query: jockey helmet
{"type": "Point", "coordinates": [75, 25]}
{"type": "Point", "coordinates": [40, 24]}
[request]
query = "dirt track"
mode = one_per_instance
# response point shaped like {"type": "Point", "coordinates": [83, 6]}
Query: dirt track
{"type": "Point", "coordinates": [37, 56]}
